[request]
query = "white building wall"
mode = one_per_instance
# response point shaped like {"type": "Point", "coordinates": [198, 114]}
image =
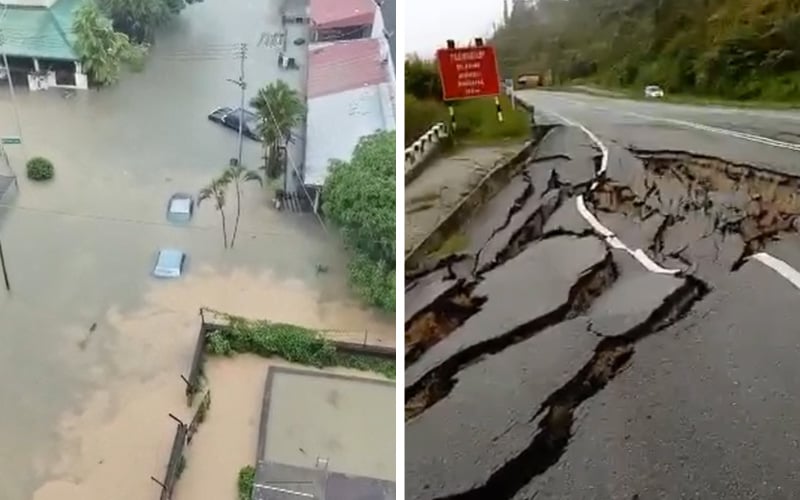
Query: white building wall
{"type": "Point", "coordinates": [377, 24]}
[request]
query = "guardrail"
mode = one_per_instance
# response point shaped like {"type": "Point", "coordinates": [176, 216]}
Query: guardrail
{"type": "Point", "coordinates": [423, 149]}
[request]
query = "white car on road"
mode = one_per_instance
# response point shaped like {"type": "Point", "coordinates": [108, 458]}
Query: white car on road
{"type": "Point", "coordinates": [653, 92]}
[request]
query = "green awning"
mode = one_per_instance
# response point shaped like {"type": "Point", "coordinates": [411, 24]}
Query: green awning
{"type": "Point", "coordinates": [43, 33]}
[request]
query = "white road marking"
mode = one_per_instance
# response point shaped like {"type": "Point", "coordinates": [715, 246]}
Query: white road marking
{"type": "Point", "coordinates": [780, 267]}
{"type": "Point", "coordinates": [792, 146]}
{"type": "Point", "coordinates": [785, 270]}
{"type": "Point", "coordinates": [722, 131]}
{"type": "Point", "coordinates": [609, 236]}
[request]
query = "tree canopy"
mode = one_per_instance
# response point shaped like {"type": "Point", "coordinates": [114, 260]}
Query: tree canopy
{"type": "Point", "coordinates": [359, 197]}
{"type": "Point", "coordinates": [103, 51]}
{"type": "Point", "coordinates": [139, 18]}
{"type": "Point", "coordinates": [731, 48]}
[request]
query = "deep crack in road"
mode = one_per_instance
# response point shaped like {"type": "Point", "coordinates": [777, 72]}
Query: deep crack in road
{"type": "Point", "coordinates": [508, 342]}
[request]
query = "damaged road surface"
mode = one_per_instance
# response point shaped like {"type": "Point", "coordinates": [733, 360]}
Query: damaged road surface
{"type": "Point", "coordinates": [547, 361]}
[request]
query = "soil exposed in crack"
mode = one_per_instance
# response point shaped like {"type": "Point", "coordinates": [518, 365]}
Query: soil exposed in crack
{"type": "Point", "coordinates": [556, 415]}
{"type": "Point", "coordinates": [440, 318]}
{"type": "Point", "coordinates": [439, 382]}
{"type": "Point", "coordinates": [753, 203]}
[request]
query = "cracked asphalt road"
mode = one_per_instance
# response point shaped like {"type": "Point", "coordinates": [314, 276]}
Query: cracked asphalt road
{"type": "Point", "coordinates": [655, 360]}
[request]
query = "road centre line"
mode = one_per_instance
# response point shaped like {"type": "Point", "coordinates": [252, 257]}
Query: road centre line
{"type": "Point", "coordinates": [609, 236]}
{"type": "Point", "coordinates": [722, 131]}
{"type": "Point", "coordinates": [777, 265]}
{"type": "Point", "coordinates": [792, 146]}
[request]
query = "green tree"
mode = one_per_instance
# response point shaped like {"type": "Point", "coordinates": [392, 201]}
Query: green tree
{"type": "Point", "coordinates": [103, 52]}
{"type": "Point", "coordinates": [215, 191]}
{"type": "Point", "coordinates": [359, 198]}
{"type": "Point", "coordinates": [237, 175]}
{"type": "Point", "coordinates": [136, 18]}
{"type": "Point", "coordinates": [139, 18]}
{"type": "Point", "coordinates": [280, 109]}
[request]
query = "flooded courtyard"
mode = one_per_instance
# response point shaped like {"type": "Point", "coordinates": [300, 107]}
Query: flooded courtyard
{"type": "Point", "coordinates": [87, 407]}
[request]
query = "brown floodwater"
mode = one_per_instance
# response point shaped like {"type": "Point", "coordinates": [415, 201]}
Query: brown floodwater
{"type": "Point", "coordinates": [86, 414]}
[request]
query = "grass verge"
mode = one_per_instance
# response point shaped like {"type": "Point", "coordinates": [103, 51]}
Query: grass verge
{"type": "Point", "coordinates": [293, 343]}
{"type": "Point", "coordinates": [476, 119]}
{"type": "Point", "coordinates": [457, 242]}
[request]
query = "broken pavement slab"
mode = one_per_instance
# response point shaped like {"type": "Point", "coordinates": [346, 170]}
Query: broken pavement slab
{"type": "Point", "coordinates": [491, 423]}
{"type": "Point", "coordinates": [707, 409]}
{"type": "Point", "coordinates": [534, 284]}
{"type": "Point", "coordinates": [487, 419]}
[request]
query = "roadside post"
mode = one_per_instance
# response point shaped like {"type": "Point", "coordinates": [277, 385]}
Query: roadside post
{"type": "Point", "coordinates": [3, 265]}
{"type": "Point", "coordinates": [468, 73]}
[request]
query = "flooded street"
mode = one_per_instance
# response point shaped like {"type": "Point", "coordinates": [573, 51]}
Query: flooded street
{"type": "Point", "coordinates": [87, 415]}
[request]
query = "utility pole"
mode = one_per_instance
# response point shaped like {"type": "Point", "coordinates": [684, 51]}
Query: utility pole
{"type": "Point", "coordinates": [3, 265]}
{"type": "Point", "coordinates": [242, 86]}
{"type": "Point", "coordinates": [8, 72]}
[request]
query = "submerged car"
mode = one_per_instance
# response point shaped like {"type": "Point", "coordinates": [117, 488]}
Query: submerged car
{"type": "Point", "coordinates": [229, 117]}
{"type": "Point", "coordinates": [180, 207]}
{"type": "Point", "coordinates": [653, 92]}
{"type": "Point", "coordinates": [169, 264]}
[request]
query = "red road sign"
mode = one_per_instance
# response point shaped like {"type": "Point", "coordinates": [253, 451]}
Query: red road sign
{"type": "Point", "coordinates": [468, 72]}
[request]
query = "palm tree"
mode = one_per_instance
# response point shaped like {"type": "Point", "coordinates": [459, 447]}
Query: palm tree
{"type": "Point", "coordinates": [216, 191]}
{"type": "Point", "coordinates": [238, 174]}
{"type": "Point", "coordinates": [280, 108]}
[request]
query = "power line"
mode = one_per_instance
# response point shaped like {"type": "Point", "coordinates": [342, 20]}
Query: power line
{"type": "Point", "coordinates": [290, 161]}
{"type": "Point", "coordinates": [126, 220]}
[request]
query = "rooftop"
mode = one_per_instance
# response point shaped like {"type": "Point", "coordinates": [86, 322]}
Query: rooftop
{"type": "Point", "coordinates": [350, 86]}
{"type": "Point", "coordinates": [337, 122]}
{"type": "Point", "coordinates": [336, 442]}
{"type": "Point", "coordinates": [40, 32]}
{"type": "Point", "coordinates": [342, 13]}
{"type": "Point", "coordinates": [340, 66]}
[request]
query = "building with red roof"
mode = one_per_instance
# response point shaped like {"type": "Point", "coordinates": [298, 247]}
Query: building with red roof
{"type": "Point", "coordinates": [344, 20]}
{"type": "Point", "coordinates": [350, 95]}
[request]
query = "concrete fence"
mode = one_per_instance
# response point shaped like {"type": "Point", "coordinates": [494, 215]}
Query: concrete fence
{"type": "Point", "coordinates": [423, 150]}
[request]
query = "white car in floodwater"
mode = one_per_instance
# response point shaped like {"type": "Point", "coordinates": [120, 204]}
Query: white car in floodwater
{"type": "Point", "coordinates": [653, 92]}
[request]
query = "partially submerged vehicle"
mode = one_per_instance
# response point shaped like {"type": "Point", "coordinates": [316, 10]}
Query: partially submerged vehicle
{"type": "Point", "coordinates": [180, 207]}
{"type": "Point", "coordinates": [169, 263]}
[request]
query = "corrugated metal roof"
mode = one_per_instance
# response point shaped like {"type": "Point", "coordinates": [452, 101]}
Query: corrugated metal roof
{"type": "Point", "coordinates": [340, 66]}
{"type": "Point", "coordinates": [336, 122]}
{"type": "Point", "coordinates": [40, 32]}
{"type": "Point", "coordinates": [342, 13]}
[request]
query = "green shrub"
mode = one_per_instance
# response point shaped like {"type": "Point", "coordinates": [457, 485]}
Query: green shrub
{"type": "Point", "coordinates": [290, 342]}
{"type": "Point", "coordinates": [247, 476]}
{"type": "Point", "coordinates": [40, 169]}
{"type": "Point", "coordinates": [421, 115]}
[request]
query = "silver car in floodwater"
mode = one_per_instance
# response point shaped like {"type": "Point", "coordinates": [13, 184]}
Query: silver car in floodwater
{"type": "Point", "coordinates": [169, 264]}
{"type": "Point", "coordinates": [180, 208]}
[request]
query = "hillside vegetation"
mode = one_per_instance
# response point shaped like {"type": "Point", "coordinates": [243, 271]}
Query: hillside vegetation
{"type": "Point", "coordinates": [738, 49]}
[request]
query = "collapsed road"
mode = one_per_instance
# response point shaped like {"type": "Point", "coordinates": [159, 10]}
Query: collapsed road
{"type": "Point", "coordinates": [623, 323]}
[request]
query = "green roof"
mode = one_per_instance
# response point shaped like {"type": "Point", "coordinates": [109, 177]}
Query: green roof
{"type": "Point", "coordinates": [40, 32]}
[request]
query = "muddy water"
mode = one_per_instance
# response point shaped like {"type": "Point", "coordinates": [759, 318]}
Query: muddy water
{"type": "Point", "coordinates": [80, 249]}
{"type": "Point", "coordinates": [228, 439]}
{"type": "Point", "coordinates": [120, 434]}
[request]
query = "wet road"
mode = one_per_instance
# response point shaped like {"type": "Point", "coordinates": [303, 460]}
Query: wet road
{"type": "Point", "coordinates": [625, 326]}
{"type": "Point", "coordinates": [80, 250]}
